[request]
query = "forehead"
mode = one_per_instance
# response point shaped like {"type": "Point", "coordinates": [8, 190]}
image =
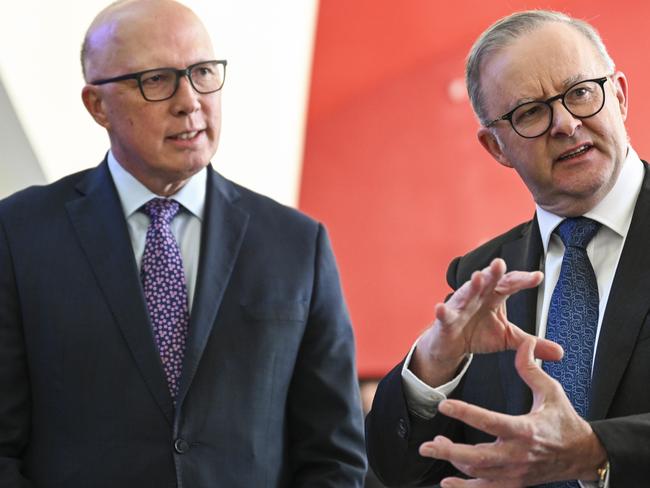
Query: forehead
{"type": "Point", "coordinates": [137, 40]}
{"type": "Point", "coordinates": [537, 65]}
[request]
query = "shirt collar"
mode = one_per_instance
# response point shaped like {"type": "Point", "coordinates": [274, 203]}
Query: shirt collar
{"type": "Point", "coordinates": [614, 211]}
{"type": "Point", "coordinates": [134, 194]}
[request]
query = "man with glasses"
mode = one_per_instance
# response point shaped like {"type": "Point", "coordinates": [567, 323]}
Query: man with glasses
{"type": "Point", "coordinates": [160, 325]}
{"type": "Point", "coordinates": [550, 386]}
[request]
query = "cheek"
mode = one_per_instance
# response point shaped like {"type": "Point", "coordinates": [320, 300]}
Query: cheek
{"type": "Point", "coordinates": [128, 123]}
{"type": "Point", "coordinates": [212, 112]}
{"type": "Point", "coordinates": [146, 128]}
{"type": "Point", "coordinates": [609, 136]}
{"type": "Point", "coordinates": [532, 164]}
{"type": "Point", "coordinates": [214, 129]}
{"type": "Point", "coordinates": [522, 152]}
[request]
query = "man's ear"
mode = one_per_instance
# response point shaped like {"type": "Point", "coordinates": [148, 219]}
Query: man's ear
{"type": "Point", "coordinates": [492, 145]}
{"type": "Point", "coordinates": [620, 85]}
{"type": "Point", "coordinates": [94, 103]}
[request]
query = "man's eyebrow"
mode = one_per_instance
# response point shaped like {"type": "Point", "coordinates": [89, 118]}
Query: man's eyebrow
{"type": "Point", "coordinates": [568, 82]}
{"type": "Point", "coordinates": [572, 80]}
{"type": "Point", "coordinates": [521, 101]}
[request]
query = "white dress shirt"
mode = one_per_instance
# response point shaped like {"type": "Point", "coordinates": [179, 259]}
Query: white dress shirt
{"type": "Point", "coordinates": [614, 212]}
{"type": "Point", "coordinates": [186, 225]}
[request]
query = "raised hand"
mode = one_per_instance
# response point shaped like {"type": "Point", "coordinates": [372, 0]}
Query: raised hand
{"type": "Point", "coordinates": [474, 320]}
{"type": "Point", "coordinates": [550, 443]}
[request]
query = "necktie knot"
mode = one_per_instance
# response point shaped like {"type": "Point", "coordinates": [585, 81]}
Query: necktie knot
{"type": "Point", "coordinates": [577, 231]}
{"type": "Point", "coordinates": [161, 209]}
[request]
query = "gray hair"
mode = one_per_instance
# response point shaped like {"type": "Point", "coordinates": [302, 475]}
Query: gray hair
{"type": "Point", "coordinates": [504, 32]}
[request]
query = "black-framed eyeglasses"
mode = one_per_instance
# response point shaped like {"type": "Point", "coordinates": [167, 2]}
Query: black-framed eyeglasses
{"type": "Point", "coordinates": [160, 84]}
{"type": "Point", "coordinates": [532, 119]}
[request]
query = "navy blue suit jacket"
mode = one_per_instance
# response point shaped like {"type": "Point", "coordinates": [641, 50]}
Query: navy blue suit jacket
{"type": "Point", "coordinates": [620, 394]}
{"type": "Point", "coordinates": [268, 396]}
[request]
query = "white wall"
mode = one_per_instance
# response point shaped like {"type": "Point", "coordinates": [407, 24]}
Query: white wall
{"type": "Point", "coordinates": [268, 46]}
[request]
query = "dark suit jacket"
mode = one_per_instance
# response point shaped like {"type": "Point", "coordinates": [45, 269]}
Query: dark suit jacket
{"type": "Point", "coordinates": [269, 394]}
{"type": "Point", "coordinates": [620, 395]}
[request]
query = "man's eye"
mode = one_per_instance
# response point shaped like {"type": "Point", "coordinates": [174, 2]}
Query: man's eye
{"type": "Point", "coordinates": [203, 71]}
{"type": "Point", "coordinates": [528, 113]}
{"type": "Point", "coordinates": [580, 93]}
{"type": "Point", "coordinates": [155, 79]}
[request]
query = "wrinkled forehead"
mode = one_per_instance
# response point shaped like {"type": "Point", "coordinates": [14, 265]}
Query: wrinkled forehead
{"type": "Point", "coordinates": [538, 65]}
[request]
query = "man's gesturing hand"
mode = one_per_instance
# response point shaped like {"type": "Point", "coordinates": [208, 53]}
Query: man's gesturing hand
{"type": "Point", "coordinates": [550, 443]}
{"type": "Point", "coordinates": [474, 320]}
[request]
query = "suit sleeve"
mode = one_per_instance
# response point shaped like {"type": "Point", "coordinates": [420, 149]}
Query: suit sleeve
{"type": "Point", "coordinates": [627, 442]}
{"type": "Point", "coordinates": [14, 380]}
{"type": "Point", "coordinates": [325, 418]}
{"type": "Point", "coordinates": [394, 434]}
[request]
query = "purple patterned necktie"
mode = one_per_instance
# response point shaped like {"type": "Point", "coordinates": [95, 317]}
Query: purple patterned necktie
{"type": "Point", "coordinates": [165, 291]}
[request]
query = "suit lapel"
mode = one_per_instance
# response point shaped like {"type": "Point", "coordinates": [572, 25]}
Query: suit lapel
{"type": "Point", "coordinates": [98, 220]}
{"type": "Point", "coordinates": [223, 230]}
{"type": "Point", "coordinates": [626, 309]}
{"type": "Point", "coordinates": [521, 254]}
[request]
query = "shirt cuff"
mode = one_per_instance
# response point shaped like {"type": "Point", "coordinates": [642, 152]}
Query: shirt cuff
{"type": "Point", "coordinates": [594, 484]}
{"type": "Point", "coordinates": [422, 399]}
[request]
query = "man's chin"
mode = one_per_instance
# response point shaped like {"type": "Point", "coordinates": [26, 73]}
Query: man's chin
{"type": "Point", "coordinates": [184, 168]}
{"type": "Point", "coordinates": [573, 201]}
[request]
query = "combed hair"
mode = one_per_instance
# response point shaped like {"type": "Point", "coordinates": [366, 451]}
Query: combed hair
{"type": "Point", "coordinates": [505, 31]}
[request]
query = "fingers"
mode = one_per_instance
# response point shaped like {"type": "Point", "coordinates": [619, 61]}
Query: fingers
{"type": "Point", "coordinates": [494, 423]}
{"type": "Point", "coordinates": [485, 280]}
{"type": "Point", "coordinates": [445, 314]}
{"type": "Point", "coordinates": [494, 273]}
{"type": "Point", "coordinates": [470, 290]}
{"type": "Point", "coordinates": [468, 295]}
{"type": "Point", "coordinates": [515, 281]}
{"type": "Point", "coordinates": [480, 455]}
{"type": "Point", "coordinates": [543, 348]}
{"type": "Point", "coordinates": [548, 350]}
{"type": "Point", "coordinates": [477, 483]}
{"type": "Point", "coordinates": [493, 278]}
{"type": "Point", "coordinates": [503, 284]}
{"type": "Point", "coordinates": [528, 369]}
{"type": "Point", "coordinates": [491, 461]}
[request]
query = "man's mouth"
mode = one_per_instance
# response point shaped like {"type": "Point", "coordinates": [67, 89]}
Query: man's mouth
{"type": "Point", "coordinates": [575, 152]}
{"type": "Point", "coordinates": [185, 136]}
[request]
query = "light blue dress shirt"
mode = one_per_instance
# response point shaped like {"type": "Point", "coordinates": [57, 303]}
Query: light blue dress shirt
{"type": "Point", "coordinates": [186, 226]}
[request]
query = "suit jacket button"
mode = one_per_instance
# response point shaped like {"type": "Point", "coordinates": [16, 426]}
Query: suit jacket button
{"type": "Point", "coordinates": [402, 431]}
{"type": "Point", "coordinates": [181, 446]}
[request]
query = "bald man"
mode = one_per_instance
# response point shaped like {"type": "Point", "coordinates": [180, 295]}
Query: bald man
{"type": "Point", "coordinates": [161, 326]}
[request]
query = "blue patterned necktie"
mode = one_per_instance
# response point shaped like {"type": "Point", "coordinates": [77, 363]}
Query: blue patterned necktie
{"type": "Point", "coordinates": [573, 317]}
{"type": "Point", "coordinates": [165, 290]}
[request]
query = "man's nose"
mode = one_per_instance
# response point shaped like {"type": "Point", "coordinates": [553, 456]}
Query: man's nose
{"type": "Point", "coordinates": [564, 123]}
{"type": "Point", "coordinates": [186, 99]}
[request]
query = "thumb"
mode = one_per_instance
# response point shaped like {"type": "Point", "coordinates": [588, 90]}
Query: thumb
{"type": "Point", "coordinates": [542, 348]}
{"type": "Point", "coordinates": [526, 366]}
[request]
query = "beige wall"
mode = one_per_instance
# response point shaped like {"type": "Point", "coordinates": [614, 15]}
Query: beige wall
{"type": "Point", "coordinates": [18, 164]}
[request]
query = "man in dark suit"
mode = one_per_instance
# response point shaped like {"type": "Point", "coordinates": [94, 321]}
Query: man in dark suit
{"type": "Point", "coordinates": [232, 363]}
{"type": "Point", "coordinates": [463, 404]}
